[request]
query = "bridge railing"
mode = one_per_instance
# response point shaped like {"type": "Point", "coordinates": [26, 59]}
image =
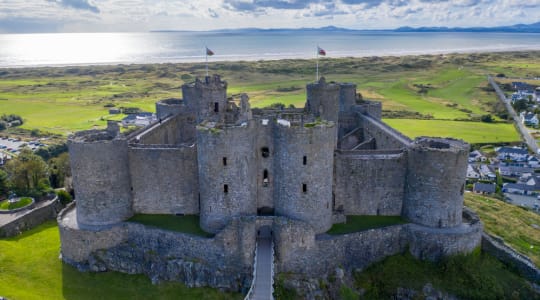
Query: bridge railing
{"type": "Point", "coordinates": [250, 292]}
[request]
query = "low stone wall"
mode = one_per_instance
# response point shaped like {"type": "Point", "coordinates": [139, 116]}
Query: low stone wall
{"type": "Point", "coordinates": [496, 247]}
{"type": "Point", "coordinates": [224, 261]}
{"type": "Point", "coordinates": [30, 218]}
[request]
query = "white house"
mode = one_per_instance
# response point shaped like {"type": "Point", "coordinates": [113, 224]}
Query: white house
{"type": "Point", "coordinates": [529, 119]}
{"type": "Point", "coordinates": [512, 153]}
{"type": "Point", "coordinates": [471, 173]}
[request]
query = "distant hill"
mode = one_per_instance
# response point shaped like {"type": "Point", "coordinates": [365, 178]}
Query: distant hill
{"type": "Point", "coordinates": [521, 28]}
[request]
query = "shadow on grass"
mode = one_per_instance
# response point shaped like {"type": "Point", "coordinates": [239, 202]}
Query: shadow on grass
{"type": "Point", "coordinates": [36, 230]}
{"type": "Point", "coordinates": [114, 285]}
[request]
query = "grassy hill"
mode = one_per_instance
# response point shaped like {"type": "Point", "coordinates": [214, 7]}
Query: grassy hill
{"type": "Point", "coordinates": [440, 87]}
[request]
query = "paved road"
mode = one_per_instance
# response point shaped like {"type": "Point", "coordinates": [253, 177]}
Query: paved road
{"type": "Point", "coordinates": [262, 289]}
{"type": "Point", "coordinates": [531, 142]}
{"type": "Point", "coordinates": [522, 200]}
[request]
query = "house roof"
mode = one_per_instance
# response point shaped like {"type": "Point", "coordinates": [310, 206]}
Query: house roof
{"type": "Point", "coordinates": [530, 116]}
{"type": "Point", "coordinates": [133, 117]}
{"type": "Point", "coordinates": [484, 187]}
{"type": "Point", "coordinates": [511, 150]}
{"type": "Point", "coordinates": [519, 186]}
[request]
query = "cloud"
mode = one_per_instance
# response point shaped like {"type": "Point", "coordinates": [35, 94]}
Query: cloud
{"type": "Point", "coordinates": [77, 4]}
{"type": "Point", "coordinates": [213, 13]}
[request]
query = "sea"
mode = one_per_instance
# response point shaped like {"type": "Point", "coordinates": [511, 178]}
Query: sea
{"type": "Point", "coordinates": [66, 49]}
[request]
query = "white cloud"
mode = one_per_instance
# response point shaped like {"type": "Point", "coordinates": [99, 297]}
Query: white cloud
{"type": "Point", "coordinates": [142, 15]}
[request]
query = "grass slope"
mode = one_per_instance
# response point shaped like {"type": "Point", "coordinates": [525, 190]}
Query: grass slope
{"type": "Point", "coordinates": [30, 269]}
{"type": "Point", "coordinates": [514, 224]}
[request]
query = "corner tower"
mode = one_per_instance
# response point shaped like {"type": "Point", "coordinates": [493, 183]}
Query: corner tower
{"type": "Point", "coordinates": [435, 182]}
{"type": "Point", "coordinates": [99, 160]}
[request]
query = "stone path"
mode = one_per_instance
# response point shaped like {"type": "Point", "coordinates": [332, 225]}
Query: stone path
{"type": "Point", "coordinates": [262, 289]}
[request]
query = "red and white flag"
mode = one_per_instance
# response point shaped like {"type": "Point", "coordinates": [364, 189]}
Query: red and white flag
{"type": "Point", "coordinates": [321, 51]}
{"type": "Point", "coordinates": [209, 52]}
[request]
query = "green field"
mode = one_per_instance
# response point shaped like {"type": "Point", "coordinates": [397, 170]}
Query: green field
{"type": "Point", "coordinates": [30, 269]}
{"type": "Point", "coordinates": [443, 87]}
{"type": "Point", "coordinates": [471, 132]}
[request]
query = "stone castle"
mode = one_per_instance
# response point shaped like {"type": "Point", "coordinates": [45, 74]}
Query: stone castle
{"type": "Point", "coordinates": [291, 172]}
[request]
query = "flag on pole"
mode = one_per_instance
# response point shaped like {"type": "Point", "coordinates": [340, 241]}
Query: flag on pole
{"type": "Point", "coordinates": [321, 51]}
{"type": "Point", "coordinates": [209, 52]}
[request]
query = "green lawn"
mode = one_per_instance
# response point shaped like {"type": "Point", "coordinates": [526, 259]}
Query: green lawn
{"type": "Point", "coordinates": [30, 269]}
{"type": "Point", "coordinates": [471, 132]}
{"type": "Point", "coordinates": [360, 223]}
{"type": "Point", "coordinates": [22, 202]}
{"type": "Point", "coordinates": [186, 224]}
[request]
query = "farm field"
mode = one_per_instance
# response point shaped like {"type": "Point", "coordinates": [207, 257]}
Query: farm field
{"type": "Point", "coordinates": [449, 88]}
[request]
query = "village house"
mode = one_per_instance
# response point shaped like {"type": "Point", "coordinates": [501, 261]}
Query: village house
{"type": "Point", "coordinates": [512, 153]}
{"type": "Point", "coordinates": [484, 188]}
{"type": "Point", "coordinates": [518, 188]}
{"type": "Point", "coordinates": [528, 118]}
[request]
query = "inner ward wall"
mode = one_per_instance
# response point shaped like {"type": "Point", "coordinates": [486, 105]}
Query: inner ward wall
{"type": "Point", "coordinates": [175, 130]}
{"type": "Point", "coordinates": [385, 136]}
{"type": "Point", "coordinates": [164, 180]}
{"type": "Point", "coordinates": [370, 184]}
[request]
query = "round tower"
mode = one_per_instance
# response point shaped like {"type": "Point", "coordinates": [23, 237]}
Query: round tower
{"type": "Point", "coordinates": [435, 182]}
{"type": "Point", "coordinates": [99, 164]}
{"type": "Point", "coordinates": [168, 107]}
{"type": "Point", "coordinates": [303, 169]}
{"type": "Point", "coordinates": [323, 100]}
{"type": "Point", "coordinates": [227, 174]}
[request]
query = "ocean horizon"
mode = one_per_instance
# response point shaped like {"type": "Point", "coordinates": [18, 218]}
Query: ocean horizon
{"type": "Point", "coordinates": [71, 49]}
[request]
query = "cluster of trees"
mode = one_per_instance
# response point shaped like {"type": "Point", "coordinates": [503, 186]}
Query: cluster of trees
{"type": "Point", "coordinates": [29, 174]}
{"type": "Point", "coordinates": [10, 121]}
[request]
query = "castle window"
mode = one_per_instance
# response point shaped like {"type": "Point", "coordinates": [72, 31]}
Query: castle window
{"type": "Point", "coordinates": [225, 188]}
{"type": "Point", "coordinates": [265, 178]}
{"type": "Point", "coordinates": [304, 161]}
{"type": "Point", "coordinates": [265, 152]}
{"type": "Point", "coordinates": [216, 107]}
{"type": "Point", "coordinates": [224, 161]}
{"type": "Point", "coordinates": [304, 187]}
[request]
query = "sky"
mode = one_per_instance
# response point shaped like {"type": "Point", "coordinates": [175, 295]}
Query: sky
{"type": "Point", "coordinates": [27, 16]}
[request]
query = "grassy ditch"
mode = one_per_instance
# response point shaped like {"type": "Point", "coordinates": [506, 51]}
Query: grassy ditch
{"type": "Point", "coordinates": [186, 224]}
{"type": "Point", "coordinates": [360, 223]}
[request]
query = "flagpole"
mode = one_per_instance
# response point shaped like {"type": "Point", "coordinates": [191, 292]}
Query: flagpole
{"type": "Point", "coordinates": [206, 55]}
{"type": "Point", "coordinates": [317, 73]}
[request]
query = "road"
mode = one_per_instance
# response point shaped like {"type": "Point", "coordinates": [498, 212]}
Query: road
{"type": "Point", "coordinates": [531, 142]}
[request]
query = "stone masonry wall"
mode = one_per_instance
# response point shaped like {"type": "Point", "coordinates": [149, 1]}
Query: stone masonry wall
{"type": "Point", "coordinates": [31, 218]}
{"type": "Point", "coordinates": [172, 131]}
{"type": "Point", "coordinates": [370, 184]}
{"type": "Point", "coordinates": [304, 191]}
{"type": "Point", "coordinates": [385, 136]}
{"type": "Point", "coordinates": [164, 180]}
{"type": "Point", "coordinates": [101, 180]}
{"type": "Point", "coordinates": [299, 252]}
{"type": "Point", "coordinates": [435, 182]}
{"type": "Point", "coordinates": [224, 261]}
{"type": "Point", "coordinates": [227, 174]}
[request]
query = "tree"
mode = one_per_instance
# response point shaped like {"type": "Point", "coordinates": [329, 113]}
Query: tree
{"type": "Point", "coordinates": [28, 174]}
{"type": "Point", "coordinates": [486, 118]}
{"type": "Point", "coordinates": [4, 184]}
{"type": "Point", "coordinates": [59, 169]}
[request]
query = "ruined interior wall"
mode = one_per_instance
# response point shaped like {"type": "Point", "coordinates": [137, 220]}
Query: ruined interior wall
{"type": "Point", "coordinates": [164, 180]}
{"type": "Point", "coordinates": [172, 131]}
{"type": "Point", "coordinates": [369, 184]}
{"type": "Point", "coordinates": [264, 138]}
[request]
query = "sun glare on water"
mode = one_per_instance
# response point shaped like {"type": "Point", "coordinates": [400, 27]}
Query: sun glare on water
{"type": "Point", "coordinates": [70, 48]}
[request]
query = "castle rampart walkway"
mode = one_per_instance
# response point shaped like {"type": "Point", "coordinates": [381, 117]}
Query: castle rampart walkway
{"type": "Point", "coordinates": [262, 286]}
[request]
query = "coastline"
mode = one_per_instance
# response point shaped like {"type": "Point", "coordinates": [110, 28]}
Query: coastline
{"type": "Point", "coordinates": [252, 59]}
